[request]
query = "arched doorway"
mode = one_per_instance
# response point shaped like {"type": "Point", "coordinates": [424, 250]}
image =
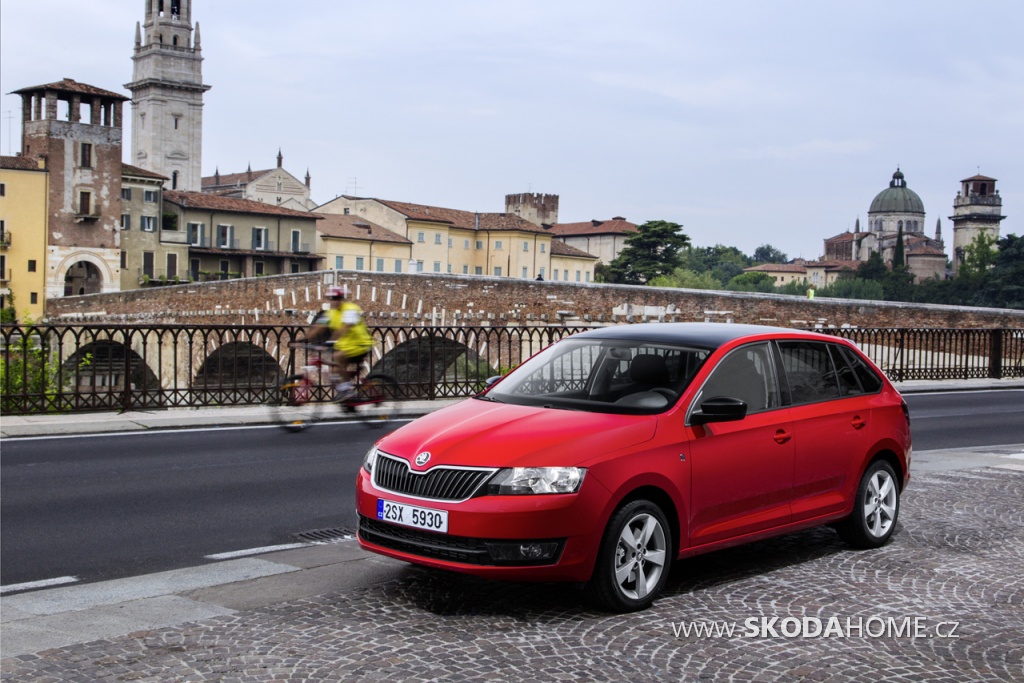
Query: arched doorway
{"type": "Point", "coordinates": [83, 278]}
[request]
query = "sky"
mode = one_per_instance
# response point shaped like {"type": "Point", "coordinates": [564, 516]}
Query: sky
{"type": "Point", "coordinates": [747, 122]}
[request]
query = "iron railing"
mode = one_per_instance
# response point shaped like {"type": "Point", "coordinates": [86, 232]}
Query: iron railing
{"type": "Point", "coordinates": [63, 368]}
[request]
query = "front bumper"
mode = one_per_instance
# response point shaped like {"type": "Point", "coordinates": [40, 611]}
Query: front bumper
{"type": "Point", "coordinates": [493, 536]}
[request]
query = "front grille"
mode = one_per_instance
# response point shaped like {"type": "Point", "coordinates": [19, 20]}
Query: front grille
{"type": "Point", "coordinates": [442, 546]}
{"type": "Point", "coordinates": [439, 483]}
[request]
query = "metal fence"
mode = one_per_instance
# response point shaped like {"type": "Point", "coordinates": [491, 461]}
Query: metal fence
{"type": "Point", "coordinates": [107, 367]}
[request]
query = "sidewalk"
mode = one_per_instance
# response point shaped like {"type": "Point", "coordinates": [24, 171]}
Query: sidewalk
{"type": "Point", "coordinates": [179, 418]}
{"type": "Point", "coordinates": [176, 418]}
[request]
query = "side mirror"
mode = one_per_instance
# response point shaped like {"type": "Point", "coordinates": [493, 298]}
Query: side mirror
{"type": "Point", "coordinates": [491, 380]}
{"type": "Point", "coordinates": [719, 409]}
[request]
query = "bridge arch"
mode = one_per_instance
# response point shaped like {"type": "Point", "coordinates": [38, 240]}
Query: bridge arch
{"type": "Point", "coordinates": [433, 365]}
{"type": "Point", "coordinates": [235, 368]}
{"type": "Point", "coordinates": [100, 366]}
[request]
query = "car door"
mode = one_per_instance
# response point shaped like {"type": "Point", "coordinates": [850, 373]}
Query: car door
{"type": "Point", "coordinates": [831, 425]}
{"type": "Point", "coordinates": [741, 471]}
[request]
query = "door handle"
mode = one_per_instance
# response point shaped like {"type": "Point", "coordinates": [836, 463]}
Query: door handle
{"type": "Point", "coordinates": [782, 436]}
{"type": "Point", "coordinates": [858, 422]}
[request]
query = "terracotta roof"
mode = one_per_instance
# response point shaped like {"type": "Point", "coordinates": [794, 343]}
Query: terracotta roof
{"type": "Point", "coordinates": [616, 226]}
{"type": "Point", "coordinates": [559, 248]}
{"type": "Point", "coordinates": [925, 250]}
{"type": "Point", "coordinates": [20, 164]}
{"type": "Point", "coordinates": [128, 169]}
{"type": "Point", "coordinates": [835, 264]}
{"type": "Point", "coordinates": [977, 177]}
{"type": "Point", "coordinates": [69, 85]}
{"type": "Point", "coordinates": [461, 219]}
{"type": "Point", "coordinates": [842, 237]}
{"type": "Point", "coordinates": [777, 268]}
{"type": "Point", "coordinates": [804, 267]}
{"type": "Point", "coordinates": [212, 202]}
{"type": "Point", "coordinates": [356, 227]}
{"type": "Point", "coordinates": [232, 179]}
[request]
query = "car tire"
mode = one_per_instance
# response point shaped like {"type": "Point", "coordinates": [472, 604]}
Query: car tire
{"type": "Point", "coordinates": [875, 508]}
{"type": "Point", "coordinates": [634, 559]}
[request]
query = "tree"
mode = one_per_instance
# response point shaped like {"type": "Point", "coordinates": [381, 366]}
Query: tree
{"type": "Point", "coordinates": [751, 282]}
{"type": "Point", "coordinates": [723, 262]}
{"type": "Point", "coordinates": [766, 253]}
{"type": "Point", "coordinates": [1003, 284]}
{"type": "Point", "coordinates": [873, 269]}
{"type": "Point", "coordinates": [653, 250]}
{"type": "Point", "coordinates": [684, 278]}
{"type": "Point", "coordinates": [898, 255]}
{"type": "Point", "coordinates": [854, 288]}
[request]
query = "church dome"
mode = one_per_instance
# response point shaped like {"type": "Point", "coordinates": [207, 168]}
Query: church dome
{"type": "Point", "coordinates": [897, 198]}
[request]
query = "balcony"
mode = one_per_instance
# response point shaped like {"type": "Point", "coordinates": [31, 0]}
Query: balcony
{"type": "Point", "coordinates": [159, 279]}
{"type": "Point", "coordinates": [86, 217]}
{"type": "Point", "coordinates": [5, 239]}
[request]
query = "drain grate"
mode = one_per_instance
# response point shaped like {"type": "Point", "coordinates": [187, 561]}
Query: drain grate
{"type": "Point", "coordinates": [327, 535]}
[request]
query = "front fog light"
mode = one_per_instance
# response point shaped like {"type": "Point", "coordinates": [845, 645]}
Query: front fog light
{"type": "Point", "coordinates": [523, 551]}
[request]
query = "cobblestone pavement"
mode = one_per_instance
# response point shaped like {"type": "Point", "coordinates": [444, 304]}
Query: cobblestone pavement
{"type": "Point", "coordinates": [953, 569]}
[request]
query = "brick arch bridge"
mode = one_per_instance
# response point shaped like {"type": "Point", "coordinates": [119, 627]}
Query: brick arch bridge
{"type": "Point", "coordinates": [462, 300]}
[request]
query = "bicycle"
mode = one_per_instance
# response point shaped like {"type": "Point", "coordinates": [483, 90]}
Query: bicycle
{"type": "Point", "coordinates": [301, 400]}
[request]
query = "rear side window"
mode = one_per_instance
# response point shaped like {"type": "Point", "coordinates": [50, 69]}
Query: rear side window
{"type": "Point", "coordinates": [849, 385]}
{"type": "Point", "coordinates": [747, 374]}
{"type": "Point", "coordinates": [869, 379]}
{"type": "Point", "coordinates": [809, 371]}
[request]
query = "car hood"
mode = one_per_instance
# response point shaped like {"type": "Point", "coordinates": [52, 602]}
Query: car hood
{"type": "Point", "coordinates": [484, 434]}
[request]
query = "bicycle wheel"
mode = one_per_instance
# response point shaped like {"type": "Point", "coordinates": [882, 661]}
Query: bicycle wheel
{"type": "Point", "coordinates": [378, 393]}
{"type": "Point", "coordinates": [293, 407]}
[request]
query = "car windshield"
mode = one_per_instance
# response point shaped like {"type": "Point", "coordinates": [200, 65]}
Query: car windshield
{"type": "Point", "coordinates": [602, 375]}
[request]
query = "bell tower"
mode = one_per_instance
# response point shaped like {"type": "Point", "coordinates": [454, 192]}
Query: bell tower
{"type": "Point", "coordinates": [977, 209]}
{"type": "Point", "coordinates": [167, 94]}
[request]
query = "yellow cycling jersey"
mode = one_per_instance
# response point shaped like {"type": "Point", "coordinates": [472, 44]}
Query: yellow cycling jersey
{"type": "Point", "coordinates": [357, 340]}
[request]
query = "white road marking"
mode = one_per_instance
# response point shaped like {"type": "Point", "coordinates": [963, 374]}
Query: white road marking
{"type": "Point", "coordinates": [256, 551]}
{"type": "Point", "coordinates": [46, 583]}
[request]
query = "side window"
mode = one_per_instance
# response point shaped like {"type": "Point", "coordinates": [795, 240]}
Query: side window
{"type": "Point", "coordinates": [848, 383]}
{"type": "Point", "coordinates": [747, 374]}
{"type": "Point", "coordinates": [869, 379]}
{"type": "Point", "coordinates": [809, 371]}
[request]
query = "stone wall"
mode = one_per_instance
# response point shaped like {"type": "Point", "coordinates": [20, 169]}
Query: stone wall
{"type": "Point", "coordinates": [405, 299]}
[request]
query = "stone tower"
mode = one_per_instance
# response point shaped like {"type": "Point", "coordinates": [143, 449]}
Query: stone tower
{"type": "Point", "coordinates": [76, 130]}
{"type": "Point", "coordinates": [976, 209]}
{"type": "Point", "coordinates": [167, 95]}
{"type": "Point", "coordinates": [539, 209]}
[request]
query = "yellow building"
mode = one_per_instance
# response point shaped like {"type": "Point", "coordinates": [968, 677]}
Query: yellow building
{"type": "Point", "coordinates": [23, 210]}
{"type": "Point", "coordinates": [444, 240]}
{"type": "Point", "coordinates": [357, 244]}
{"type": "Point", "coordinates": [817, 274]}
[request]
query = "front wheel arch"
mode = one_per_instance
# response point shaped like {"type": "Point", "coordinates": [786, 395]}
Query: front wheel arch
{"type": "Point", "coordinates": [634, 559]}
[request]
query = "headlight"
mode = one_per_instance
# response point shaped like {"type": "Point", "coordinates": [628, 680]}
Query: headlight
{"type": "Point", "coordinates": [518, 481]}
{"type": "Point", "coordinates": [370, 459]}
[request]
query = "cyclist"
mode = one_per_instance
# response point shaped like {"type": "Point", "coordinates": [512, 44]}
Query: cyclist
{"type": "Point", "coordinates": [343, 324]}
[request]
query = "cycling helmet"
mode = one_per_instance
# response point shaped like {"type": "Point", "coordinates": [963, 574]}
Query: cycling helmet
{"type": "Point", "coordinates": [337, 292]}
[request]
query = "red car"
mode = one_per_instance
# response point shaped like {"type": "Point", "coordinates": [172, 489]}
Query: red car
{"type": "Point", "coordinates": [616, 451]}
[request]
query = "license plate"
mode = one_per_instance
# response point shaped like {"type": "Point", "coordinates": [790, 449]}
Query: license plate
{"type": "Point", "coordinates": [410, 515]}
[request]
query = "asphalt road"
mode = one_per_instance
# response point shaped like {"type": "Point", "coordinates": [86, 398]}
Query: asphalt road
{"type": "Point", "coordinates": [111, 506]}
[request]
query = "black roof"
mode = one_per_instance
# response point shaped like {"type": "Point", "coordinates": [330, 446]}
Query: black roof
{"type": "Point", "coordinates": [704, 335]}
